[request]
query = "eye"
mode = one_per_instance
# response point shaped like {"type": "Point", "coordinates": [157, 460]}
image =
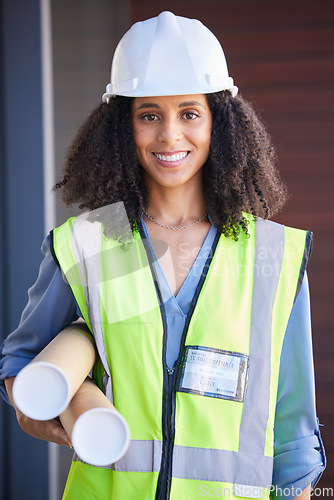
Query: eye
{"type": "Point", "coordinates": [149, 117]}
{"type": "Point", "coordinates": [190, 115]}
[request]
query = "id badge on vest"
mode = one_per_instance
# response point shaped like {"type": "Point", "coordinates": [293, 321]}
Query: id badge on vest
{"type": "Point", "coordinates": [214, 373]}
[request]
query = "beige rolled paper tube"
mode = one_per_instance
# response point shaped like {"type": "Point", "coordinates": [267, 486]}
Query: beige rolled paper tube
{"type": "Point", "coordinates": [43, 389]}
{"type": "Point", "coordinates": [99, 433]}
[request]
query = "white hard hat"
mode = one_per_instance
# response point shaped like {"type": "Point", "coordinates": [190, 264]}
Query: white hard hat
{"type": "Point", "coordinates": [168, 55]}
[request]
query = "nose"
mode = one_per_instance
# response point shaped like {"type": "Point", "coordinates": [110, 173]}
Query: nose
{"type": "Point", "coordinates": [169, 131]}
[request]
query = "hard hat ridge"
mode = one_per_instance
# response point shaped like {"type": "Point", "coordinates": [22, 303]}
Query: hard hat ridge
{"type": "Point", "coordinates": [168, 55]}
{"type": "Point", "coordinates": [163, 64]}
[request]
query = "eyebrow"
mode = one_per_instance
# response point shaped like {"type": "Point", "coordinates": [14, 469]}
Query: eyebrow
{"type": "Point", "coordinates": [181, 105]}
{"type": "Point", "coordinates": [148, 105]}
{"type": "Point", "coordinates": [190, 103]}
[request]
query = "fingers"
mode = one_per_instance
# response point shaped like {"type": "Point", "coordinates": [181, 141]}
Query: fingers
{"type": "Point", "coordinates": [53, 431]}
{"type": "Point", "coordinates": [48, 430]}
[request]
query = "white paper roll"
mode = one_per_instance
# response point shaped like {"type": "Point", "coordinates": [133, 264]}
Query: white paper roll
{"type": "Point", "coordinates": [99, 433]}
{"type": "Point", "coordinates": [100, 436]}
{"type": "Point", "coordinates": [43, 389]}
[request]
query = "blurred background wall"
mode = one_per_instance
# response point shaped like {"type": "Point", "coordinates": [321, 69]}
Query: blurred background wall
{"type": "Point", "coordinates": [54, 64]}
{"type": "Point", "coordinates": [21, 218]}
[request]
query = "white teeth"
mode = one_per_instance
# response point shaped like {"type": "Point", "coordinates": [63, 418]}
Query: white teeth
{"type": "Point", "coordinates": [176, 157]}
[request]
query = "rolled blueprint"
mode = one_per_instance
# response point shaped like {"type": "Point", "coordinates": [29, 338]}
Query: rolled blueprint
{"type": "Point", "coordinates": [43, 389]}
{"type": "Point", "coordinates": [99, 434]}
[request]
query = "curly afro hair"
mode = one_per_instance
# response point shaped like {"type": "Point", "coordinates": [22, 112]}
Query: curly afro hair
{"type": "Point", "coordinates": [239, 176]}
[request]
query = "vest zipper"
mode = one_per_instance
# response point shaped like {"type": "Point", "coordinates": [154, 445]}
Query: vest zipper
{"type": "Point", "coordinates": [168, 431]}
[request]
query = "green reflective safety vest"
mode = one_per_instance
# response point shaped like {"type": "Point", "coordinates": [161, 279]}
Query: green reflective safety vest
{"type": "Point", "coordinates": [186, 443]}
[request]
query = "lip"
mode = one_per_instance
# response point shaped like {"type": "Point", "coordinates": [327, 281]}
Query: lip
{"type": "Point", "coordinates": [170, 153]}
{"type": "Point", "coordinates": [170, 164]}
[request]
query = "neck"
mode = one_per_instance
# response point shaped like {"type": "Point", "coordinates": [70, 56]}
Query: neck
{"type": "Point", "coordinates": [176, 206]}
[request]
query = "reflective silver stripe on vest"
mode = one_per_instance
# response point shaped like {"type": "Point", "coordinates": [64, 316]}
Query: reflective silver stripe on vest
{"type": "Point", "coordinates": [192, 463]}
{"type": "Point", "coordinates": [269, 249]}
{"type": "Point", "coordinates": [205, 464]}
{"type": "Point", "coordinates": [142, 456]}
{"type": "Point", "coordinates": [86, 237]}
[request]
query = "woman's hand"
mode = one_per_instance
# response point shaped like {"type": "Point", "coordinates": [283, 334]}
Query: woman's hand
{"type": "Point", "coordinates": [47, 430]}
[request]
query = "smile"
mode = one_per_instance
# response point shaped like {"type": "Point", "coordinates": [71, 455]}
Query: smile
{"type": "Point", "coordinates": [171, 158]}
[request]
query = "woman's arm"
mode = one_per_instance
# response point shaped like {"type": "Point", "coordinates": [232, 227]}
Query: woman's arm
{"type": "Point", "coordinates": [299, 458]}
{"type": "Point", "coordinates": [50, 308]}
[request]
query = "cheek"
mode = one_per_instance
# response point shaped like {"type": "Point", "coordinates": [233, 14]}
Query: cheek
{"type": "Point", "coordinates": [204, 140]}
{"type": "Point", "coordinates": [202, 135]}
{"type": "Point", "coordinates": [138, 137]}
{"type": "Point", "coordinates": [141, 142]}
{"type": "Point", "coordinates": [143, 139]}
{"type": "Point", "coordinates": [208, 139]}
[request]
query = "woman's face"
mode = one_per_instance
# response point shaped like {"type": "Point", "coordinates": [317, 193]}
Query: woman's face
{"type": "Point", "coordinates": [172, 137]}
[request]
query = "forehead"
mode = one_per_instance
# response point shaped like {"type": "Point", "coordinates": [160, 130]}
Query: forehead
{"type": "Point", "coordinates": [174, 101]}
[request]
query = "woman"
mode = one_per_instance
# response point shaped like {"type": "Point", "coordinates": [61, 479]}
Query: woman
{"type": "Point", "coordinates": [195, 299]}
